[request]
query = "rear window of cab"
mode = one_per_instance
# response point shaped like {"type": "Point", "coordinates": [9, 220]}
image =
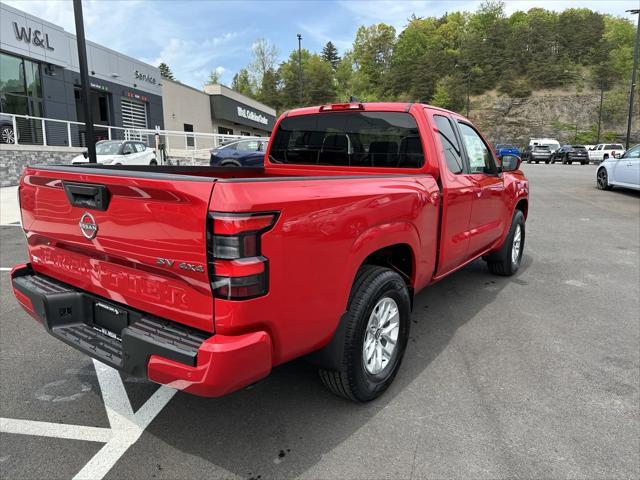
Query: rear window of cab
{"type": "Point", "coordinates": [355, 139]}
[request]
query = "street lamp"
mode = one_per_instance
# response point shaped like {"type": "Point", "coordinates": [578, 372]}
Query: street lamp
{"type": "Point", "coordinates": [300, 69]}
{"type": "Point", "coordinates": [633, 76]}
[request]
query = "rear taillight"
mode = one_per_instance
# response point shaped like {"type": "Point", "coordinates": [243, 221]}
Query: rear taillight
{"type": "Point", "coordinates": [237, 269]}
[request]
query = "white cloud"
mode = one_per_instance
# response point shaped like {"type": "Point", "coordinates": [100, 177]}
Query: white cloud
{"type": "Point", "coordinates": [191, 60]}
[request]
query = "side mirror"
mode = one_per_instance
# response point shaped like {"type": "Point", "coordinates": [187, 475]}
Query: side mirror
{"type": "Point", "coordinates": [617, 155]}
{"type": "Point", "coordinates": [85, 154]}
{"type": "Point", "coordinates": [510, 163]}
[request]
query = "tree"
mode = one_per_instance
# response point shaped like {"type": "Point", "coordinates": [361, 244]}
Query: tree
{"type": "Point", "coordinates": [214, 78]}
{"type": "Point", "coordinates": [269, 93]}
{"type": "Point", "coordinates": [330, 55]}
{"type": "Point", "coordinates": [241, 83]}
{"type": "Point", "coordinates": [165, 71]}
{"type": "Point", "coordinates": [318, 81]}
{"type": "Point", "coordinates": [372, 51]}
{"type": "Point", "coordinates": [264, 58]}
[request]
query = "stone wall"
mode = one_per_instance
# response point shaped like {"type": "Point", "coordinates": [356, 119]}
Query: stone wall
{"type": "Point", "coordinates": [14, 159]}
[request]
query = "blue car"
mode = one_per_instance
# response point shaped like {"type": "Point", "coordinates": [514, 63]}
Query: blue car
{"type": "Point", "coordinates": [507, 149]}
{"type": "Point", "coordinates": [240, 153]}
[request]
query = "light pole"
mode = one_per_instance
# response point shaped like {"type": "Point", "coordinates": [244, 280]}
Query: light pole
{"type": "Point", "coordinates": [300, 69]}
{"type": "Point", "coordinates": [633, 76]}
{"type": "Point", "coordinates": [84, 80]}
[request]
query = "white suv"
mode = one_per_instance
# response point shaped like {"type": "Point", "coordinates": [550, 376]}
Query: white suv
{"type": "Point", "coordinates": [120, 152]}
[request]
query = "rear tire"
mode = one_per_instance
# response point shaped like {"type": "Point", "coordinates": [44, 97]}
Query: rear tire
{"type": "Point", "coordinates": [370, 359]}
{"type": "Point", "coordinates": [506, 261]}
{"type": "Point", "coordinates": [153, 162]}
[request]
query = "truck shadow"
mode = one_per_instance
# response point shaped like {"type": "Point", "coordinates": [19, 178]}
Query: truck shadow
{"type": "Point", "coordinates": [285, 424]}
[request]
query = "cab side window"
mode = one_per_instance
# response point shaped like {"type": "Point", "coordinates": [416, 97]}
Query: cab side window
{"type": "Point", "coordinates": [480, 159]}
{"type": "Point", "coordinates": [449, 141]}
{"type": "Point", "coordinates": [127, 149]}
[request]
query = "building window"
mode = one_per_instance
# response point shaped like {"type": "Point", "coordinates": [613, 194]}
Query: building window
{"type": "Point", "coordinates": [20, 86]}
{"type": "Point", "coordinates": [225, 131]}
{"type": "Point", "coordinates": [189, 138]}
{"type": "Point", "coordinates": [245, 134]}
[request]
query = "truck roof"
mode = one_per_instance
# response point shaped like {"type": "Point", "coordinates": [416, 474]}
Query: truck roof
{"type": "Point", "coordinates": [369, 106]}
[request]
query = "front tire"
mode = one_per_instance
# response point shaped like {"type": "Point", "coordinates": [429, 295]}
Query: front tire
{"type": "Point", "coordinates": [153, 162]}
{"type": "Point", "coordinates": [506, 261]}
{"type": "Point", "coordinates": [602, 179]}
{"type": "Point", "coordinates": [376, 335]}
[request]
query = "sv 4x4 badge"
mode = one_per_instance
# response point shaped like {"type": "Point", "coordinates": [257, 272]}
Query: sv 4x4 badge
{"type": "Point", "coordinates": [192, 267]}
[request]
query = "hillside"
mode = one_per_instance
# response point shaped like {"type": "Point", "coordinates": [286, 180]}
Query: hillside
{"type": "Point", "coordinates": [565, 114]}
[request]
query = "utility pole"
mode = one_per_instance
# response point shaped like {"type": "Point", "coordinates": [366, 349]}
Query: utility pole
{"type": "Point", "coordinates": [84, 80]}
{"type": "Point", "coordinates": [300, 69]}
{"type": "Point", "coordinates": [633, 77]}
{"type": "Point", "coordinates": [600, 110]}
{"type": "Point", "coordinates": [468, 91]}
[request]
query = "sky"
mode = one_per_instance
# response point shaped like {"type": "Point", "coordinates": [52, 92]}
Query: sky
{"type": "Point", "coordinates": [195, 37]}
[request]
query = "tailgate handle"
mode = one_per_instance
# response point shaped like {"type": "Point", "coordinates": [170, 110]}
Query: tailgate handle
{"type": "Point", "coordinates": [87, 195]}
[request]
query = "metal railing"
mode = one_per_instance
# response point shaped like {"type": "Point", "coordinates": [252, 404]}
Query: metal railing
{"type": "Point", "coordinates": [27, 130]}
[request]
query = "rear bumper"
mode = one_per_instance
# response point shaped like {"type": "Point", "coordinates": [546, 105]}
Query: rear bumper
{"type": "Point", "coordinates": [165, 352]}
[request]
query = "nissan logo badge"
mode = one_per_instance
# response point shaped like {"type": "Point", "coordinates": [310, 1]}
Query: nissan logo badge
{"type": "Point", "coordinates": [88, 226]}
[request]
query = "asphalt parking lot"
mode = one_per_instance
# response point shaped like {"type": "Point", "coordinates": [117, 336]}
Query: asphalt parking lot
{"type": "Point", "coordinates": [535, 376]}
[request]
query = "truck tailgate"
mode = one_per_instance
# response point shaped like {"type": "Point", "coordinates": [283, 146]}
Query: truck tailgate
{"type": "Point", "coordinates": [136, 238]}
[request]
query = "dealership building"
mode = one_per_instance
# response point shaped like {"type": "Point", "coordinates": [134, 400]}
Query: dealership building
{"type": "Point", "coordinates": [39, 76]}
{"type": "Point", "coordinates": [217, 109]}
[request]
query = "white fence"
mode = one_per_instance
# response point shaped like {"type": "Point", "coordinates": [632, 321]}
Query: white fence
{"type": "Point", "coordinates": [26, 130]}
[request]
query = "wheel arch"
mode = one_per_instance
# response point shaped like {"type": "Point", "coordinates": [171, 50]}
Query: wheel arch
{"type": "Point", "coordinates": [229, 162]}
{"type": "Point", "coordinates": [523, 206]}
{"type": "Point", "coordinates": [393, 251]}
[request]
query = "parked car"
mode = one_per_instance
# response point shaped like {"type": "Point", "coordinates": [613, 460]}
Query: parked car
{"type": "Point", "coordinates": [205, 279]}
{"type": "Point", "coordinates": [552, 143]}
{"type": "Point", "coordinates": [7, 134]}
{"type": "Point", "coordinates": [620, 172]}
{"type": "Point", "coordinates": [602, 151]}
{"type": "Point", "coordinates": [507, 149]}
{"type": "Point", "coordinates": [120, 152]}
{"type": "Point", "coordinates": [241, 153]}
{"type": "Point", "coordinates": [567, 154]}
{"type": "Point", "coordinates": [537, 153]}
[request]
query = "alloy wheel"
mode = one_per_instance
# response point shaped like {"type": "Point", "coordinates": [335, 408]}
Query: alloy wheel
{"type": "Point", "coordinates": [517, 243]}
{"type": "Point", "coordinates": [7, 135]}
{"type": "Point", "coordinates": [603, 181]}
{"type": "Point", "coordinates": [381, 336]}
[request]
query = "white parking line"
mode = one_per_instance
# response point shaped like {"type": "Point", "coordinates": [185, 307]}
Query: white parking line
{"type": "Point", "coordinates": [5, 269]}
{"type": "Point", "coordinates": [9, 224]}
{"type": "Point", "coordinates": [125, 425]}
{"type": "Point", "coordinates": [57, 430]}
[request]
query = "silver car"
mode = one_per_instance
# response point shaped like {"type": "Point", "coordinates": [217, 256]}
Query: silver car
{"type": "Point", "coordinates": [623, 171]}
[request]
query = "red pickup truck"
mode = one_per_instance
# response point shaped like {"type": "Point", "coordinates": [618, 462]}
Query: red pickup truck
{"type": "Point", "coordinates": [204, 278]}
